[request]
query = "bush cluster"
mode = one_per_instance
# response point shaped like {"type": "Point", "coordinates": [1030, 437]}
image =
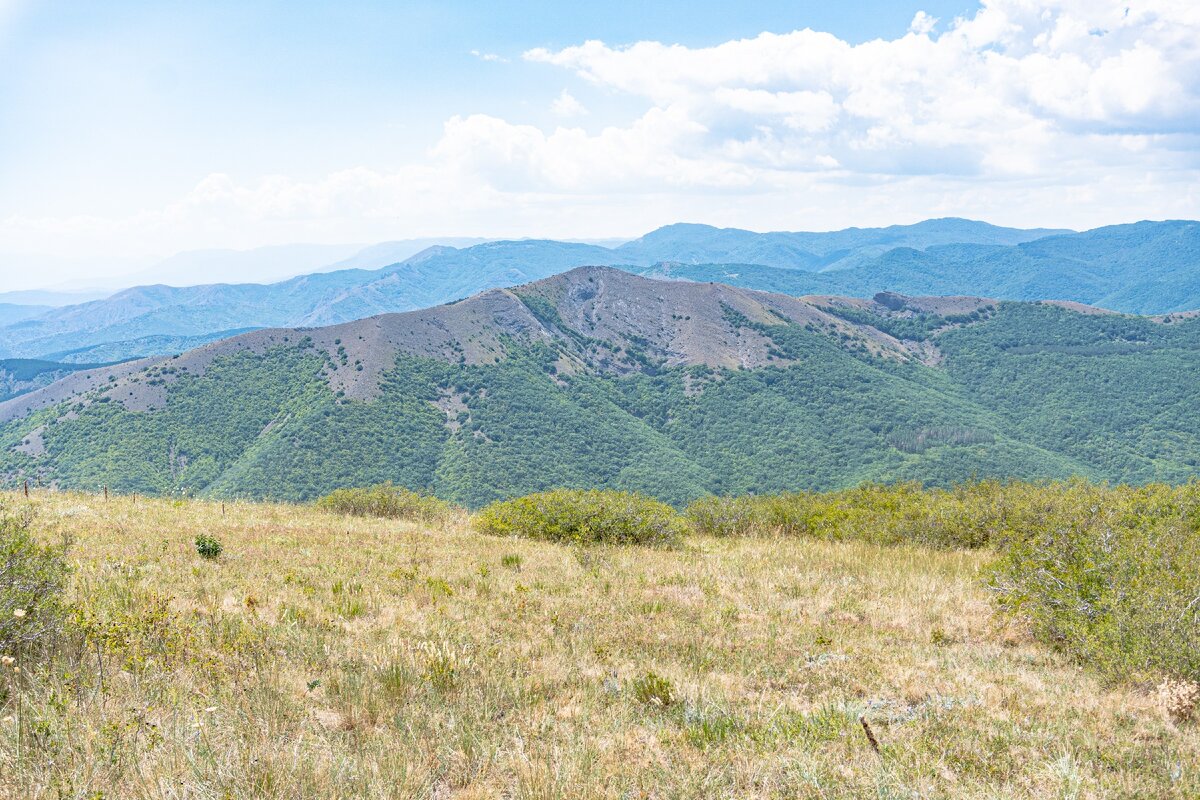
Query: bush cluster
{"type": "Point", "coordinates": [209, 547]}
{"type": "Point", "coordinates": [1111, 576]}
{"type": "Point", "coordinates": [32, 579]}
{"type": "Point", "coordinates": [971, 515]}
{"type": "Point", "coordinates": [1107, 574]}
{"type": "Point", "coordinates": [389, 502]}
{"type": "Point", "coordinates": [578, 516]}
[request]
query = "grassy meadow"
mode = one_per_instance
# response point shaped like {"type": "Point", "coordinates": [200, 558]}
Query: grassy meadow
{"type": "Point", "coordinates": [328, 656]}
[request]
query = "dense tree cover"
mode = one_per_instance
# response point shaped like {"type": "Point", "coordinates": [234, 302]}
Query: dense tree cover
{"type": "Point", "coordinates": [1027, 391]}
{"type": "Point", "coordinates": [1114, 392]}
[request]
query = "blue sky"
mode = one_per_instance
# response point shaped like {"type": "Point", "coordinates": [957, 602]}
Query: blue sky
{"type": "Point", "coordinates": [132, 129]}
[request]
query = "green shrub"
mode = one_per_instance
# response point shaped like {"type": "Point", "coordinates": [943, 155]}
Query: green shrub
{"type": "Point", "coordinates": [970, 515]}
{"type": "Point", "coordinates": [584, 517]}
{"type": "Point", "coordinates": [724, 516]}
{"type": "Point", "coordinates": [32, 579]}
{"type": "Point", "coordinates": [652, 689]}
{"type": "Point", "coordinates": [389, 502]}
{"type": "Point", "coordinates": [209, 547]}
{"type": "Point", "coordinates": [1111, 576]}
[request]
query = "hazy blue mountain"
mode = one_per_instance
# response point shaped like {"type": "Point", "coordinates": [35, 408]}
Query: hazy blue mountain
{"type": "Point", "coordinates": [384, 254]}
{"type": "Point", "coordinates": [1149, 267]}
{"type": "Point", "coordinates": [702, 244]}
{"type": "Point", "coordinates": [259, 264]}
{"type": "Point", "coordinates": [51, 298]}
{"type": "Point", "coordinates": [1142, 268]}
{"type": "Point", "coordinates": [14, 312]}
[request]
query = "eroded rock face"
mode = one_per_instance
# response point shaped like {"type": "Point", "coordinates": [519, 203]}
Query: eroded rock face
{"type": "Point", "coordinates": [684, 323]}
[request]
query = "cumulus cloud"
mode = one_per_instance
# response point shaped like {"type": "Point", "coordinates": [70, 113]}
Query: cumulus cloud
{"type": "Point", "coordinates": [1009, 90]}
{"type": "Point", "coordinates": [1040, 112]}
{"type": "Point", "coordinates": [565, 105]}
{"type": "Point", "coordinates": [922, 23]}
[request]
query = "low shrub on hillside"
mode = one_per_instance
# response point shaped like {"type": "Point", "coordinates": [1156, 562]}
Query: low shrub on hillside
{"type": "Point", "coordinates": [32, 579]}
{"type": "Point", "coordinates": [584, 517]}
{"type": "Point", "coordinates": [971, 515]}
{"type": "Point", "coordinates": [209, 547]}
{"type": "Point", "coordinates": [1112, 578]}
{"type": "Point", "coordinates": [389, 502]}
{"type": "Point", "coordinates": [1109, 575]}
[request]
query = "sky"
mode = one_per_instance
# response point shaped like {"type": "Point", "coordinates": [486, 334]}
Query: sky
{"type": "Point", "coordinates": [130, 130]}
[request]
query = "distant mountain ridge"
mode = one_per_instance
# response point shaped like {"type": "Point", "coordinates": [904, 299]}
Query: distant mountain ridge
{"type": "Point", "coordinates": [1142, 268]}
{"type": "Point", "coordinates": [598, 377]}
{"type": "Point", "coordinates": [815, 252]}
{"type": "Point", "coordinates": [1148, 267]}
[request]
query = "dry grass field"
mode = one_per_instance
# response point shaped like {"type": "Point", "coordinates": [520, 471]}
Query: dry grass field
{"type": "Point", "coordinates": [323, 656]}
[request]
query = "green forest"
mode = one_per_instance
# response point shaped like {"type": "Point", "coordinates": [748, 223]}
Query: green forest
{"type": "Point", "coordinates": [1023, 391]}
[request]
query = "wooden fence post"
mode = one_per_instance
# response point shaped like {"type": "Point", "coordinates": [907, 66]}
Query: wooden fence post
{"type": "Point", "coordinates": [27, 487]}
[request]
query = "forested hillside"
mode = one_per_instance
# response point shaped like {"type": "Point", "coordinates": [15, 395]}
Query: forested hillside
{"type": "Point", "coordinates": [600, 378]}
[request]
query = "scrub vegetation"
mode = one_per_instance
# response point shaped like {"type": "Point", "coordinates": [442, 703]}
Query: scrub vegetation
{"type": "Point", "coordinates": [996, 640]}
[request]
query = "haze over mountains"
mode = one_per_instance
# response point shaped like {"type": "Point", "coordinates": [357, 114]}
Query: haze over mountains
{"type": "Point", "coordinates": [598, 377]}
{"type": "Point", "coordinates": [154, 319]}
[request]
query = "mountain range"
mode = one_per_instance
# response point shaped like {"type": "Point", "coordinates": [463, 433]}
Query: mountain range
{"type": "Point", "coordinates": [599, 377]}
{"type": "Point", "coordinates": [150, 320]}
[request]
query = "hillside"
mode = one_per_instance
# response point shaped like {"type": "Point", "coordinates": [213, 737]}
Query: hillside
{"type": "Point", "coordinates": [129, 322]}
{"type": "Point", "coordinates": [21, 376]}
{"type": "Point", "coordinates": [598, 377]}
{"type": "Point", "coordinates": [398, 660]}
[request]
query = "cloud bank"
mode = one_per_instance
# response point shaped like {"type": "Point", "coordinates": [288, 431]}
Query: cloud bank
{"type": "Point", "coordinates": [1061, 112]}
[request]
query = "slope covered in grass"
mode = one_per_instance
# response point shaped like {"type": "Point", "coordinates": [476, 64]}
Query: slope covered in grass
{"type": "Point", "coordinates": [430, 662]}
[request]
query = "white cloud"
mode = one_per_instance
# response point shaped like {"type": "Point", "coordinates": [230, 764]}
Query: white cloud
{"type": "Point", "coordinates": [922, 24]}
{"type": "Point", "coordinates": [482, 56]}
{"type": "Point", "coordinates": [1020, 90]}
{"type": "Point", "coordinates": [565, 105]}
{"type": "Point", "coordinates": [1051, 112]}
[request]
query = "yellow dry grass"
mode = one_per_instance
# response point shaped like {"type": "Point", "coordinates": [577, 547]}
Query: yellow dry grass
{"type": "Point", "coordinates": [334, 657]}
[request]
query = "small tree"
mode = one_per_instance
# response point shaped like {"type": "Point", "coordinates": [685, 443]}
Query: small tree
{"type": "Point", "coordinates": [32, 579]}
